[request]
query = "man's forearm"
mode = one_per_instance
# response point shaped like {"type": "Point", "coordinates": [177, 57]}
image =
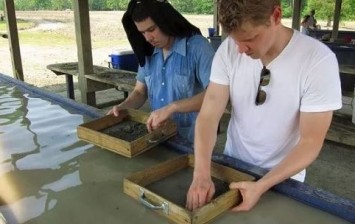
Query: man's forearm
{"type": "Point", "coordinates": [298, 159]}
{"type": "Point", "coordinates": [313, 128]}
{"type": "Point", "coordinates": [213, 107]}
{"type": "Point", "coordinates": [205, 139]}
{"type": "Point", "coordinates": [135, 100]}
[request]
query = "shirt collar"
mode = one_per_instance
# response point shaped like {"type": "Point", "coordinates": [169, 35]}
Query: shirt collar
{"type": "Point", "coordinates": [179, 46]}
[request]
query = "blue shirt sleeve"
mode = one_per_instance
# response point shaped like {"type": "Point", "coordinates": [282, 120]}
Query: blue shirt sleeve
{"type": "Point", "coordinates": [203, 54]}
{"type": "Point", "coordinates": [141, 74]}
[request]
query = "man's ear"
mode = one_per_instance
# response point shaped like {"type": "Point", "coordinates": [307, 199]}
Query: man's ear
{"type": "Point", "coordinates": [277, 15]}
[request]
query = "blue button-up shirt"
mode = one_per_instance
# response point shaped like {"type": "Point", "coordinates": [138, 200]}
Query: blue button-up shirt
{"type": "Point", "coordinates": [183, 74]}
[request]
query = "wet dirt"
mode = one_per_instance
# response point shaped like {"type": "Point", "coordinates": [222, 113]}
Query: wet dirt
{"type": "Point", "coordinates": [127, 130]}
{"type": "Point", "coordinates": [175, 187]}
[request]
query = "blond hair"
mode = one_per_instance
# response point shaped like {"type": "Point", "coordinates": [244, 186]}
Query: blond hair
{"type": "Point", "coordinates": [233, 13]}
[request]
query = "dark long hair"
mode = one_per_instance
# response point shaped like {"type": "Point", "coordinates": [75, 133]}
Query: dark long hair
{"type": "Point", "coordinates": [170, 22]}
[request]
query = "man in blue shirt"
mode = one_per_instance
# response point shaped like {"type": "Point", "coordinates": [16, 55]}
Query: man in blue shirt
{"type": "Point", "coordinates": [175, 62]}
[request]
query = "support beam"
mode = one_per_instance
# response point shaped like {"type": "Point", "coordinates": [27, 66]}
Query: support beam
{"type": "Point", "coordinates": [215, 17]}
{"type": "Point", "coordinates": [336, 19]}
{"type": "Point", "coordinates": [83, 41]}
{"type": "Point", "coordinates": [14, 44]}
{"type": "Point", "coordinates": [296, 15]}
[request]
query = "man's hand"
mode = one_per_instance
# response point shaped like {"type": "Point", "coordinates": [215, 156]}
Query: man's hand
{"type": "Point", "coordinates": [115, 111]}
{"type": "Point", "coordinates": [158, 118]}
{"type": "Point", "coordinates": [200, 193]}
{"type": "Point", "coordinates": [251, 193]}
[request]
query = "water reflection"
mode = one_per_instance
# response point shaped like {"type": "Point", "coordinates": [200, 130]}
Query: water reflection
{"type": "Point", "coordinates": [39, 153]}
{"type": "Point", "coordinates": [68, 180]}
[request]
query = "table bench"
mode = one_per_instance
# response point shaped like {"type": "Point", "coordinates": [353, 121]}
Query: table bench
{"type": "Point", "coordinates": [348, 76]}
{"type": "Point", "coordinates": [113, 78]}
{"type": "Point", "coordinates": [347, 69]}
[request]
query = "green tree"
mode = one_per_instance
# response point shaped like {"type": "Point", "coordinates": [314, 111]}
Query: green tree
{"type": "Point", "coordinates": [117, 4]}
{"type": "Point", "coordinates": [182, 5]}
{"type": "Point", "coordinates": [325, 9]}
{"type": "Point", "coordinates": [202, 6]}
{"type": "Point", "coordinates": [42, 4]}
{"type": "Point", "coordinates": [348, 10]}
{"type": "Point", "coordinates": [97, 5]}
{"type": "Point", "coordinates": [24, 4]}
{"type": "Point", "coordinates": [61, 5]}
{"type": "Point", "coordinates": [193, 6]}
{"type": "Point", "coordinates": [287, 8]}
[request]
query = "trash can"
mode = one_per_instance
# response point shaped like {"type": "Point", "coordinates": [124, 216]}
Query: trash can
{"type": "Point", "coordinates": [124, 60]}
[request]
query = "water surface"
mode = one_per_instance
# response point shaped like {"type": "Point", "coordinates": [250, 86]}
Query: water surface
{"type": "Point", "coordinates": [47, 175]}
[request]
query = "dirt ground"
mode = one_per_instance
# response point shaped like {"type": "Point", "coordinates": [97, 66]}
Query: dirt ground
{"type": "Point", "coordinates": [107, 35]}
{"type": "Point", "coordinates": [333, 170]}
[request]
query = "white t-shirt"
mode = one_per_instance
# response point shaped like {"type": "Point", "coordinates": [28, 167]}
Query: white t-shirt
{"type": "Point", "coordinates": [304, 30]}
{"type": "Point", "coordinates": [304, 78]}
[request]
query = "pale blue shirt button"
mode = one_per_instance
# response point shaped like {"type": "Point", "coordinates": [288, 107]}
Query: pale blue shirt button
{"type": "Point", "coordinates": [162, 99]}
{"type": "Point", "coordinates": [162, 83]}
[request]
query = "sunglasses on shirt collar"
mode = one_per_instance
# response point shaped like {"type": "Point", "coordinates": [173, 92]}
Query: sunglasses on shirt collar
{"type": "Point", "coordinates": [264, 81]}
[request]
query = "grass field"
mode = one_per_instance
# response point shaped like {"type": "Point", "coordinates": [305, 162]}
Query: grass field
{"type": "Point", "coordinates": [21, 25]}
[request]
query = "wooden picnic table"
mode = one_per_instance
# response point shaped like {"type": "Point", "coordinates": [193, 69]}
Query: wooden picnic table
{"type": "Point", "coordinates": [120, 79]}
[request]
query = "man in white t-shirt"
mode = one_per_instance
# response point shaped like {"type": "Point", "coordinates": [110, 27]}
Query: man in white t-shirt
{"type": "Point", "coordinates": [283, 87]}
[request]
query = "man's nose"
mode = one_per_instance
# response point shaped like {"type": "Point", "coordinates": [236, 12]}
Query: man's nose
{"type": "Point", "coordinates": [242, 47]}
{"type": "Point", "coordinates": [148, 37]}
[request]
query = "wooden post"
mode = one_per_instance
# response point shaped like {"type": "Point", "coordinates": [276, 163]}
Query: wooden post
{"type": "Point", "coordinates": [296, 15]}
{"type": "Point", "coordinates": [336, 19]}
{"type": "Point", "coordinates": [83, 40]}
{"type": "Point", "coordinates": [13, 39]}
{"type": "Point", "coordinates": [215, 17]}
